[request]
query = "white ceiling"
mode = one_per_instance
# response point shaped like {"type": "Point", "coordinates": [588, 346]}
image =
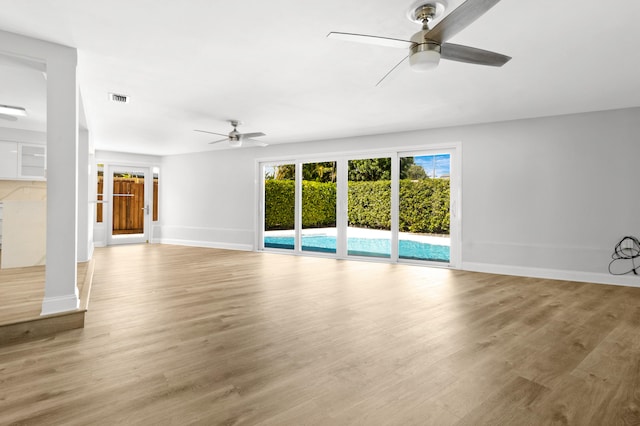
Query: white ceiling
{"type": "Point", "coordinates": [194, 64]}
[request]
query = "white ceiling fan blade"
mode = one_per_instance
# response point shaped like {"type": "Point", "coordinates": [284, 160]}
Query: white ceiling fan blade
{"type": "Point", "coordinates": [8, 117]}
{"type": "Point", "coordinates": [369, 39]}
{"type": "Point", "coordinates": [391, 70]}
{"type": "Point", "coordinates": [471, 55]}
{"type": "Point", "coordinates": [253, 142]}
{"type": "Point", "coordinates": [221, 140]}
{"type": "Point", "coordinates": [212, 133]}
{"type": "Point", "coordinates": [251, 135]}
{"type": "Point", "coordinates": [459, 19]}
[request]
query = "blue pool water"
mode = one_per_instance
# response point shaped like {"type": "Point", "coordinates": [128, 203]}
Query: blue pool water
{"type": "Point", "coordinates": [372, 247]}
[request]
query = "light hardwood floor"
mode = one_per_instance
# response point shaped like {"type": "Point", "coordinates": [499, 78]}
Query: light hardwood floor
{"type": "Point", "coordinates": [178, 335]}
{"type": "Point", "coordinates": [22, 291]}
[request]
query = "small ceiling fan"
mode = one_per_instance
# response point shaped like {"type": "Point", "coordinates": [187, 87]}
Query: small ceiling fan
{"type": "Point", "coordinates": [428, 45]}
{"type": "Point", "coordinates": [8, 117]}
{"type": "Point", "coordinates": [235, 138]}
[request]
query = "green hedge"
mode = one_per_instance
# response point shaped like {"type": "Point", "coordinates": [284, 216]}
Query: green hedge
{"type": "Point", "coordinates": [318, 204]}
{"type": "Point", "coordinates": [279, 204]}
{"type": "Point", "coordinates": [370, 204]}
{"type": "Point", "coordinates": [424, 205]}
{"type": "Point", "coordinates": [318, 201]}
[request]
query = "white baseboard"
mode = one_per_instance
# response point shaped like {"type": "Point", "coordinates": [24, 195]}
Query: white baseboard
{"type": "Point", "coordinates": [554, 274]}
{"type": "Point", "coordinates": [206, 244]}
{"type": "Point", "coordinates": [57, 304]}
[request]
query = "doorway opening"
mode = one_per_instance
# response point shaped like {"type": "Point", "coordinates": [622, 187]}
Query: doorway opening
{"type": "Point", "coordinates": [127, 202]}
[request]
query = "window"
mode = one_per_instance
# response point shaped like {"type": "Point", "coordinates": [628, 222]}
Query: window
{"type": "Point", "coordinates": [279, 206]}
{"type": "Point", "coordinates": [100, 192]}
{"type": "Point", "coordinates": [424, 216]}
{"type": "Point", "coordinates": [369, 207]}
{"type": "Point", "coordinates": [396, 206]}
{"type": "Point", "coordinates": [319, 188]}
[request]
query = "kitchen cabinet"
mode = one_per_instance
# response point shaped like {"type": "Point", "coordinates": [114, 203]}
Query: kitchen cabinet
{"type": "Point", "coordinates": [8, 160]}
{"type": "Point", "coordinates": [22, 161]}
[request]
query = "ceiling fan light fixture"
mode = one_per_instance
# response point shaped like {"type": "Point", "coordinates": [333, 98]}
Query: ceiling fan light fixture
{"type": "Point", "coordinates": [424, 57]}
{"type": "Point", "coordinates": [13, 110]}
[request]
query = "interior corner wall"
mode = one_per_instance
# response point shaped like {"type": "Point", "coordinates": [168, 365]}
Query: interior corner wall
{"type": "Point", "coordinates": [547, 197]}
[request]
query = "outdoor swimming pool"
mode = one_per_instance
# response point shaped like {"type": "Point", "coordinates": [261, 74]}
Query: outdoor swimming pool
{"type": "Point", "coordinates": [372, 247]}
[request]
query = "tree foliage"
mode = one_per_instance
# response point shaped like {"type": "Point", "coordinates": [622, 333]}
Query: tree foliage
{"type": "Point", "coordinates": [415, 172]}
{"type": "Point", "coordinates": [315, 172]}
{"type": "Point", "coordinates": [372, 169]}
{"type": "Point", "coordinates": [367, 170]}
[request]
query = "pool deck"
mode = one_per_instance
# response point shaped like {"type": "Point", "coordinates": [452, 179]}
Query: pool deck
{"type": "Point", "coordinates": [366, 233]}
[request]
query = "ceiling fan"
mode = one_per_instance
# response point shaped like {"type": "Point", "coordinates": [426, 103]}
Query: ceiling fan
{"type": "Point", "coordinates": [8, 117]}
{"type": "Point", "coordinates": [11, 113]}
{"type": "Point", "coordinates": [428, 45]}
{"type": "Point", "coordinates": [235, 138]}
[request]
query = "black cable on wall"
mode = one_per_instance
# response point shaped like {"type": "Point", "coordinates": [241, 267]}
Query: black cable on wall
{"type": "Point", "coordinates": [625, 252]}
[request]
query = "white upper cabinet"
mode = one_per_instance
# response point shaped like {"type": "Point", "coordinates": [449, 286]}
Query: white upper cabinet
{"type": "Point", "coordinates": [32, 161]}
{"type": "Point", "coordinates": [8, 160]}
{"type": "Point", "coordinates": [22, 161]}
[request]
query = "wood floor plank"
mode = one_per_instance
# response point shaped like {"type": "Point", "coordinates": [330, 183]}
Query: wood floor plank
{"type": "Point", "coordinates": [182, 335]}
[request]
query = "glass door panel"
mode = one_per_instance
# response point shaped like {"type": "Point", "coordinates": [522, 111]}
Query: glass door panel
{"type": "Point", "coordinates": [156, 206]}
{"type": "Point", "coordinates": [279, 206]}
{"type": "Point", "coordinates": [319, 207]}
{"type": "Point", "coordinates": [130, 194]}
{"type": "Point", "coordinates": [369, 207]}
{"type": "Point", "coordinates": [100, 193]}
{"type": "Point", "coordinates": [424, 210]}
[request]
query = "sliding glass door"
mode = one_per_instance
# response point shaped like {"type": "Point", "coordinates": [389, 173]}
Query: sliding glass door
{"type": "Point", "coordinates": [369, 207]}
{"type": "Point", "coordinates": [279, 206]}
{"type": "Point", "coordinates": [319, 186]}
{"type": "Point", "coordinates": [424, 207]}
{"type": "Point", "coordinates": [398, 207]}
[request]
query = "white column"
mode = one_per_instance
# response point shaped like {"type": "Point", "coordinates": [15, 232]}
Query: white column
{"type": "Point", "coordinates": [61, 292]}
{"type": "Point", "coordinates": [84, 251]}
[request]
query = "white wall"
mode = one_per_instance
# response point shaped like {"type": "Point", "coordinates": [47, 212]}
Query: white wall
{"type": "Point", "coordinates": [543, 197]}
{"type": "Point", "coordinates": [26, 136]}
{"type": "Point", "coordinates": [207, 199]}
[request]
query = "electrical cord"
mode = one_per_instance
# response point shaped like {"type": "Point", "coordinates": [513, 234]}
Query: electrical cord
{"type": "Point", "coordinates": [627, 249]}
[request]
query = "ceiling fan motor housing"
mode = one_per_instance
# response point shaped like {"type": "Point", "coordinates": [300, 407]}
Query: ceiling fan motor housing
{"type": "Point", "coordinates": [421, 13]}
{"type": "Point", "coordinates": [424, 55]}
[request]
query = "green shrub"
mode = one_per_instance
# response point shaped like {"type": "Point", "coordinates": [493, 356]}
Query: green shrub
{"type": "Point", "coordinates": [424, 205]}
{"type": "Point", "coordinates": [279, 204]}
{"type": "Point", "coordinates": [370, 204]}
{"type": "Point", "coordinates": [318, 204]}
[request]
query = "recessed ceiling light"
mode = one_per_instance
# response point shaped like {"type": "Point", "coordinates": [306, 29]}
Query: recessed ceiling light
{"type": "Point", "coordinates": [13, 110]}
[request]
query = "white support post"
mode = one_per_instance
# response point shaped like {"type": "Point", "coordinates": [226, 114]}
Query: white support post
{"type": "Point", "coordinates": [84, 220]}
{"type": "Point", "coordinates": [61, 291]}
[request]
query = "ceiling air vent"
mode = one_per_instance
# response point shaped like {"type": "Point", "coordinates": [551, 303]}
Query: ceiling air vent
{"type": "Point", "coordinates": [123, 99]}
